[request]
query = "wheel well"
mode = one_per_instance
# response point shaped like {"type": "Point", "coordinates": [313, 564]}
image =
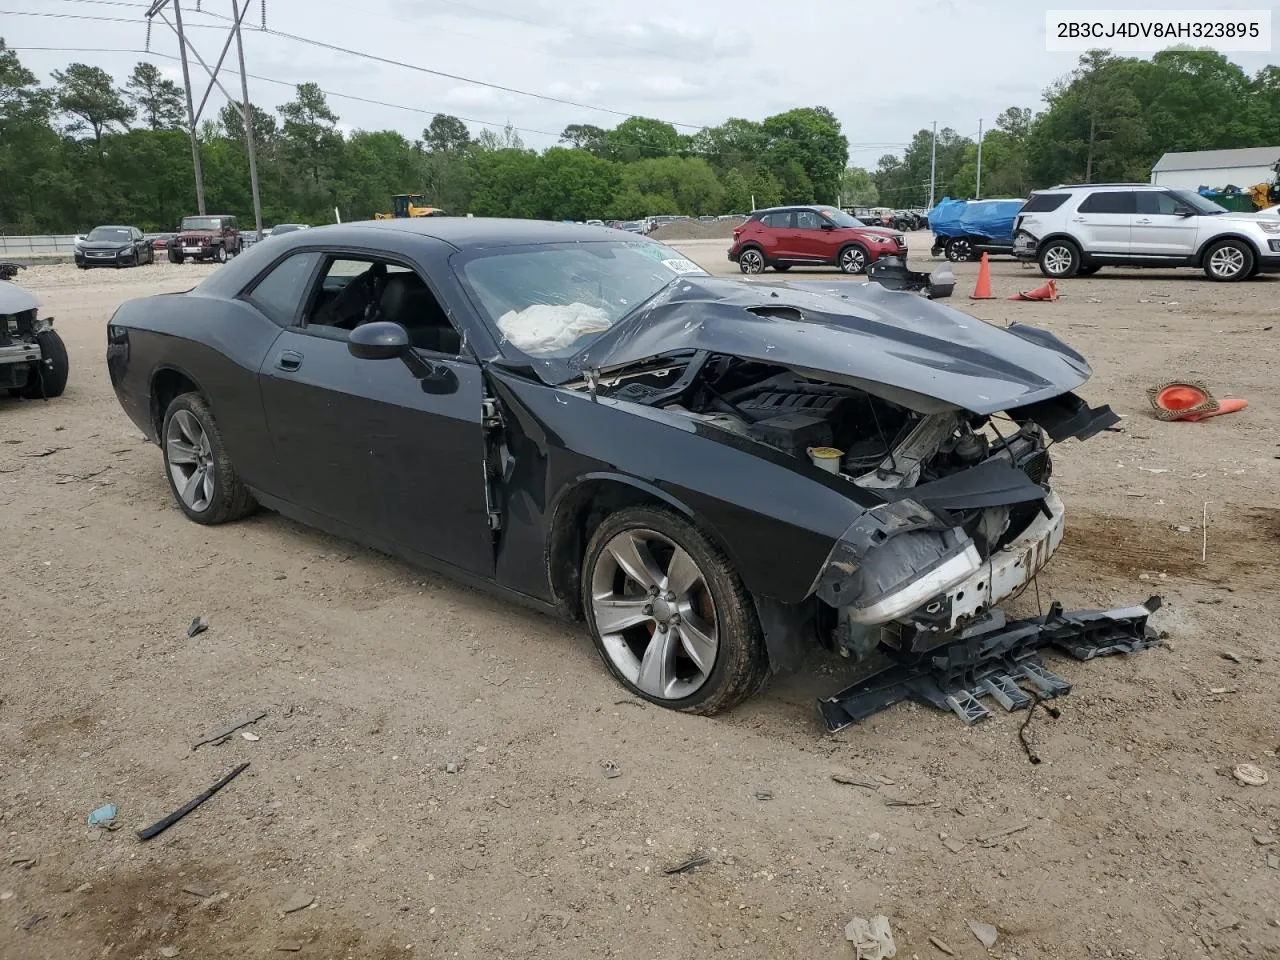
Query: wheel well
{"type": "Point", "coordinates": [1063, 237]}
{"type": "Point", "coordinates": [166, 385]}
{"type": "Point", "coordinates": [1214, 241]}
{"type": "Point", "coordinates": [577, 516]}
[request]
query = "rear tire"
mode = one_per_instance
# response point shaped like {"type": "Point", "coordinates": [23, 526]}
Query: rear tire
{"type": "Point", "coordinates": [1059, 259]}
{"type": "Point", "coordinates": [751, 261]}
{"type": "Point", "coordinates": [1229, 261]}
{"type": "Point", "coordinates": [741, 663]}
{"type": "Point", "coordinates": [959, 250]}
{"type": "Point", "coordinates": [50, 375]}
{"type": "Point", "coordinates": [191, 444]}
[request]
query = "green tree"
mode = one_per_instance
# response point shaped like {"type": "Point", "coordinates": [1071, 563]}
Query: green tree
{"type": "Point", "coordinates": [584, 136]}
{"type": "Point", "coordinates": [35, 187]}
{"type": "Point", "coordinates": [309, 135]}
{"type": "Point", "coordinates": [810, 136]}
{"type": "Point", "coordinates": [89, 96]}
{"type": "Point", "coordinates": [508, 139]}
{"type": "Point", "coordinates": [737, 192]}
{"type": "Point", "coordinates": [856, 187]}
{"type": "Point", "coordinates": [688, 183]}
{"type": "Point", "coordinates": [446, 134]}
{"type": "Point", "coordinates": [157, 100]}
{"type": "Point", "coordinates": [638, 138]}
{"type": "Point", "coordinates": [504, 182]}
{"type": "Point", "coordinates": [266, 129]}
{"type": "Point", "coordinates": [735, 143]}
{"type": "Point", "coordinates": [574, 185]}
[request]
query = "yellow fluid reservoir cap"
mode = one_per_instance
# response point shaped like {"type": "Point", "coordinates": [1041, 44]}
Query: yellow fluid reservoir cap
{"type": "Point", "coordinates": [825, 453]}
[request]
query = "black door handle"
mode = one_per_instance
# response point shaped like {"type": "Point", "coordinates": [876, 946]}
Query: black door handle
{"type": "Point", "coordinates": [289, 360]}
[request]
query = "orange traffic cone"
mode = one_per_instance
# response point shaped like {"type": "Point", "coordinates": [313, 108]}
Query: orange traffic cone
{"type": "Point", "coordinates": [982, 289]}
{"type": "Point", "coordinates": [1189, 400]}
{"type": "Point", "coordinates": [1047, 292]}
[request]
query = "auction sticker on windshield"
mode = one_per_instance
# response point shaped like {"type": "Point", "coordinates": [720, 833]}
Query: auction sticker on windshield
{"type": "Point", "coordinates": [682, 266]}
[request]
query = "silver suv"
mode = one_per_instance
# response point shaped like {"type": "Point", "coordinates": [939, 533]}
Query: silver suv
{"type": "Point", "coordinates": [1075, 230]}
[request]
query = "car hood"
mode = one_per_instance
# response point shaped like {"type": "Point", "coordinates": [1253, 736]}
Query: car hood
{"type": "Point", "coordinates": [199, 234]}
{"type": "Point", "coordinates": [899, 346]}
{"type": "Point", "coordinates": [13, 299]}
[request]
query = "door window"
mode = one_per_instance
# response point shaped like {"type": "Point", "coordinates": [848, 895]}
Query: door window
{"type": "Point", "coordinates": [280, 293]}
{"type": "Point", "coordinates": [1154, 202]}
{"type": "Point", "coordinates": [1109, 201]}
{"type": "Point", "coordinates": [808, 220]}
{"type": "Point", "coordinates": [353, 291]}
{"type": "Point", "coordinates": [778, 221]}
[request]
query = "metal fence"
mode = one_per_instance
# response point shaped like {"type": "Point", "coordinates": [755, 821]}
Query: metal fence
{"type": "Point", "coordinates": [37, 246]}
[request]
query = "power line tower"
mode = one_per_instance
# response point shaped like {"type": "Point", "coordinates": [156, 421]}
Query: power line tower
{"type": "Point", "coordinates": [242, 106]}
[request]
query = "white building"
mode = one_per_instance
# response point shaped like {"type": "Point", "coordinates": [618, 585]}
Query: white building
{"type": "Point", "coordinates": [1217, 168]}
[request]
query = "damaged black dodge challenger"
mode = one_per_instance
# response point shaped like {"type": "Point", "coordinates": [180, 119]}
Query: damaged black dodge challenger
{"type": "Point", "coordinates": [714, 474]}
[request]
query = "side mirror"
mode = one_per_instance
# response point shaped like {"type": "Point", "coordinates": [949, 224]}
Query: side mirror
{"type": "Point", "coordinates": [1186, 212]}
{"type": "Point", "coordinates": [827, 225]}
{"type": "Point", "coordinates": [381, 340]}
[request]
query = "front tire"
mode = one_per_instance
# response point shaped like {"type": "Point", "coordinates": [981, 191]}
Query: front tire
{"type": "Point", "coordinates": [852, 259]}
{"type": "Point", "coordinates": [201, 477]}
{"type": "Point", "coordinates": [751, 261]}
{"type": "Point", "coordinates": [50, 379]}
{"type": "Point", "coordinates": [1059, 259]}
{"type": "Point", "coordinates": [221, 255]}
{"type": "Point", "coordinates": [959, 250]}
{"type": "Point", "coordinates": [668, 614]}
{"type": "Point", "coordinates": [1229, 261]}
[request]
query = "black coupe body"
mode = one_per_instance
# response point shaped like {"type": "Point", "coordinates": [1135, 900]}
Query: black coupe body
{"type": "Point", "coordinates": [713, 473]}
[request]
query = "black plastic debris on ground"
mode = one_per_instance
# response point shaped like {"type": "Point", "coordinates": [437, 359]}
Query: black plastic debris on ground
{"type": "Point", "coordinates": [996, 659]}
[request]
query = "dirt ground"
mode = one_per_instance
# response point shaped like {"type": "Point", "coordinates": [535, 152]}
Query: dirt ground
{"type": "Point", "coordinates": [1131, 839]}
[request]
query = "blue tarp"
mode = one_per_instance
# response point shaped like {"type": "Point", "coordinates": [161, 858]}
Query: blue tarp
{"type": "Point", "coordinates": [992, 219]}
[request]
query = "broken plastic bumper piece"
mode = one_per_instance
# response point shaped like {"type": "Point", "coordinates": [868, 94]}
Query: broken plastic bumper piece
{"type": "Point", "coordinates": [997, 659]}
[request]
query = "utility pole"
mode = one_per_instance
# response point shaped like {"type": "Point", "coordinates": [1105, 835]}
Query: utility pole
{"type": "Point", "coordinates": [933, 164]}
{"type": "Point", "coordinates": [977, 190]}
{"type": "Point", "coordinates": [186, 83]}
{"type": "Point", "coordinates": [248, 120]}
{"type": "Point", "coordinates": [241, 105]}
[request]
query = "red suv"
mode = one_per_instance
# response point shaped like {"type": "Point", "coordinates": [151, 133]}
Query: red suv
{"type": "Point", "coordinates": [784, 236]}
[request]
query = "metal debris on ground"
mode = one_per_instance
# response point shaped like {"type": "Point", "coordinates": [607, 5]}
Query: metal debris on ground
{"type": "Point", "coordinates": [690, 864]}
{"type": "Point", "coordinates": [450, 768]}
{"type": "Point", "coordinates": [1250, 774]}
{"type": "Point", "coordinates": [1233, 657]}
{"type": "Point", "coordinates": [872, 939]}
{"type": "Point", "coordinates": [24, 863]}
{"type": "Point", "coordinates": [993, 658]}
{"type": "Point", "coordinates": [764, 794]}
{"type": "Point", "coordinates": [942, 946]}
{"type": "Point", "coordinates": [289, 946]}
{"type": "Point", "coordinates": [198, 626]}
{"type": "Point", "coordinates": [1265, 839]}
{"type": "Point", "coordinates": [168, 952]}
{"type": "Point", "coordinates": [222, 733]}
{"type": "Point", "coordinates": [610, 769]}
{"type": "Point", "coordinates": [47, 452]}
{"type": "Point", "coordinates": [1022, 730]}
{"type": "Point", "coordinates": [990, 839]}
{"type": "Point", "coordinates": [202, 893]}
{"type": "Point", "coordinates": [104, 816]}
{"type": "Point", "coordinates": [163, 824]}
{"type": "Point", "coordinates": [33, 920]}
{"type": "Point", "coordinates": [984, 932]}
{"type": "Point", "coordinates": [250, 736]}
{"type": "Point", "coordinates": [855, 781]}
{"type": "Point", "coordinates": [300, 900]}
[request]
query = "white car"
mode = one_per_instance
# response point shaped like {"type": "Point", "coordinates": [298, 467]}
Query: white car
{"type": "Point", "coordinates": [1076, 230]}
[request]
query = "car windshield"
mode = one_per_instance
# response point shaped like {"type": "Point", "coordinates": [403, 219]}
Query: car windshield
{"type": "Point", "coordinates": [120, 234]}
{"type": "Point", "coordinates": [201, 223]}
{"type": "Point", "coordinates": [552, 300]}
{"type": "Point", "coordinates": [840, 218]}
{"type": "Point", "coordinates": [1197, 203]}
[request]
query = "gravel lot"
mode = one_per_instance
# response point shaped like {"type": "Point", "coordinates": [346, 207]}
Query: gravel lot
{"type": "Point", "coordinates": [378, 679]}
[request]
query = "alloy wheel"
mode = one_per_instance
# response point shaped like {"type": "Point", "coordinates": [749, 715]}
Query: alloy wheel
{"type": "Point", "coordinates": [654, 613]}
{"type": "Point", "coordinates": [751, 261]}
{"type": "Point", "coordinates": [1058, 260]}
{"type": "Point", "coordinates": [1226, 262]}
{"type": "Point", "coordinates": [959, 251]}
{"type": "Point", "coordinates": [190, 460]}
{"type": "Point", "coordinates": [853, 260]}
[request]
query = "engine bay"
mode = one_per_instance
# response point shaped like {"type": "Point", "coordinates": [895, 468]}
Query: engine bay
{"type": "Point", "coordinates": [870, 441]}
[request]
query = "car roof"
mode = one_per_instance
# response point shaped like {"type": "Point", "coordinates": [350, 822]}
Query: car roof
{"type": "Point", "coordinates": [471, 232]}
{"type": "Point", "coordinates": [1102, 186]}
{"type": "Point", "coordinates": [112, 226]}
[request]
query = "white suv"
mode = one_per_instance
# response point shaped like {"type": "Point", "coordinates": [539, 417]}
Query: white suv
{"type": "Point", "coordinates": [1075, 230]}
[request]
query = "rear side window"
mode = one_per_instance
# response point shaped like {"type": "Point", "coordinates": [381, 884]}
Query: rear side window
{"type": "Point", "coordinates": [280, 292]}
{"type": "Point", "coordinates": [781, 220]}
{"type": "Point", "coordinates": [1110, 201]}
{"type": "Point", "coordinates": [1044, 202]}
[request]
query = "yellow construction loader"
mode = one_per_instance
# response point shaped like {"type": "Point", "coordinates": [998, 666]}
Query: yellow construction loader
{"type": "Point", "coordinates": [409, 205]}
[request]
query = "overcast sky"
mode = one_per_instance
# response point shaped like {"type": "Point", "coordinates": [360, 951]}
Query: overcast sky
{"type": "Point", "coordinates": [885, 70]}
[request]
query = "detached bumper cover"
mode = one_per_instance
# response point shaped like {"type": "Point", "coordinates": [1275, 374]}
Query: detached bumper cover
{"type": "Point", "coordinates": [996, 658]}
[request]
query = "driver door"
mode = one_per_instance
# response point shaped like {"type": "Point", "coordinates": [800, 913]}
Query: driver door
{"type": "Point", "coordinates": [812, 242]}
{"type": "Point", "coordinates": [370, 444]}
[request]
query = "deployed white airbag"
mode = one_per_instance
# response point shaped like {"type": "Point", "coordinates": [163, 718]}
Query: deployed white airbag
{"type": "Point", "coordinates": [545, 327]}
